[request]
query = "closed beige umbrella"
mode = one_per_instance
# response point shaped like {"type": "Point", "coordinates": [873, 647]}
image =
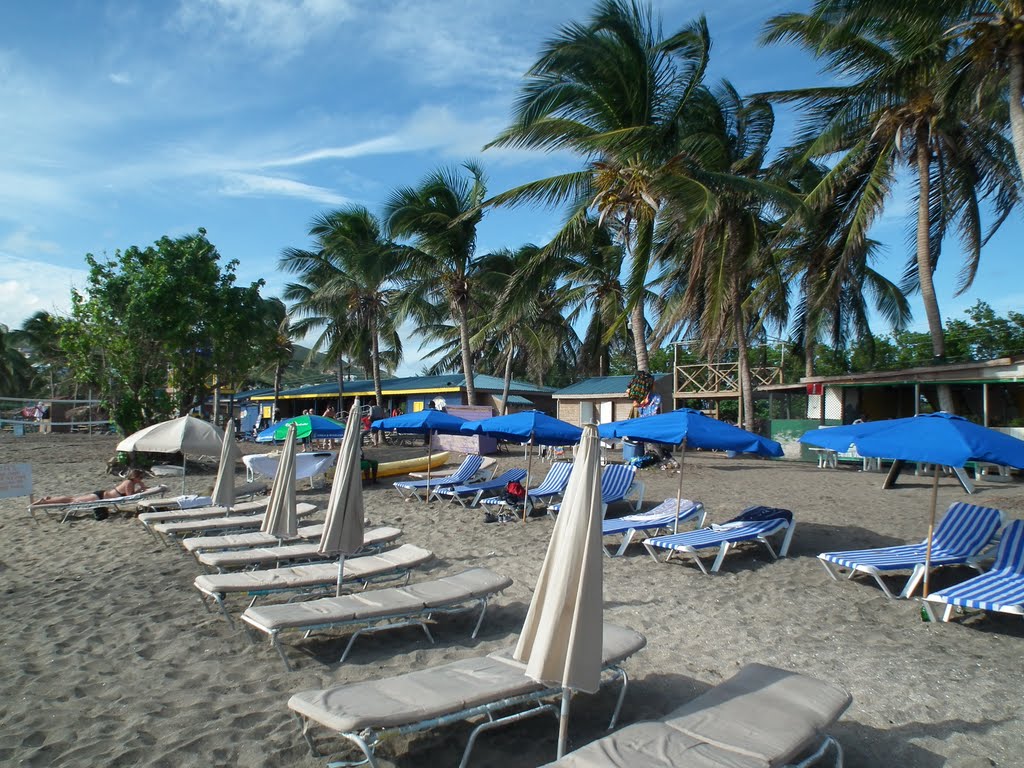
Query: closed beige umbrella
{"type": "Point", "coordinates": [280, 519]}
{"type": "Point", "coordinates": [224, 488]}
{"type": "Point", "coordinates": [343, 523]}
{"type": "Point", "coordinates": [562, 636]}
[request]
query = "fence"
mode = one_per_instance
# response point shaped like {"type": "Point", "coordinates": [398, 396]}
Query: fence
{"type": "Point", "coordinates": [20, 415]}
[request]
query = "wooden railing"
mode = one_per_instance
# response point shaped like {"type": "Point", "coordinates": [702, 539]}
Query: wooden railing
{"type": "Point", "coordinates": [719, 378]}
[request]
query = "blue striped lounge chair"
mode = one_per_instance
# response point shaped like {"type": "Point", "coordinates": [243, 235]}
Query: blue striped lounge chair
{"type": "Point", "coordinates": [466, 472]}
{"type": "Point", "coordinates": [471, 494]}
{"type": "Point", "coordinates": [553, 486]}
{"type": "Point", "coordinates": [964, 531]}
{"type": "Point", "coordinates": [618, 483]}
{"type": "Point", "coordinates": [752, 524]}
{"type": "Point", "coordinates": [1001, 589]}
{"type": "Point", "coordinates": [661, 519]}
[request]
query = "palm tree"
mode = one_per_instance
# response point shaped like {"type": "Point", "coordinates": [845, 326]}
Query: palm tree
{"type": "Point", "coordinates": [41, 334]}
{"type": "Point", "coordinates": [895, 104]}
{"type": "Point", "coordinates": [612, 91]}
{"type": "Point", "coordinates": [15, 370]}
{"type": "Point", "coordinates": [278, 354]}
{"type": "Point", "coordinates": [355, 272]}
{"type": "Point", "coordinates": [440, 216]}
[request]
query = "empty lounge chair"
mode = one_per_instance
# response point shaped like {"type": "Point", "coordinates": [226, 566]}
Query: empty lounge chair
{"type": "Point", "coordinates": [1001, 589]}
{"type": "Point", "coordinates": [470, 495]}
{"type": "Point", "coordinates": [178, 529]}
{"type": "Point", "coordinates": [618, 483]}
{"type": "Point", "coordinates": [494, 687]}
{"type": "Point", "coordinates": [753, 524]}
{"type": "Point", "coordinates": [553, 486]}
{"type": "Point", "coordinates": [197, 544]}
{"type": "Point", "coordinates": [380, 609]}
{"type": "Point", "coordinates": [964, 531]}
{"type": "Point", "coordinates": [761, 717]}
{"type": "Point", "coordinates": [660, 519]}
{"type": "Point", "coordinates": [466, 473]}
{"type": "Point", "coordinates": [303, 551]}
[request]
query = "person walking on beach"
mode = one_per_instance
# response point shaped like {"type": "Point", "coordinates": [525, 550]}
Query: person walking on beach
{"type": "Point", "coordinates": [129, 486]}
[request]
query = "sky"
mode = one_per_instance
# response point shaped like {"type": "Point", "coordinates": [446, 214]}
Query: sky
{"type": "Point", "coordinates": [126, 121]}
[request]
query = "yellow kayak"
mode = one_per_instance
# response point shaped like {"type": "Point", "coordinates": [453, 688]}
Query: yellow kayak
{"type": "Point", "coordinates": [419, 464]}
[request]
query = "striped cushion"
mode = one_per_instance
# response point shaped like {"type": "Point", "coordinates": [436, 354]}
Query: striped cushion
{"type": "Point", "coordinates": [1002, 588]}
{"type": "Point", "coordinates": [469, 467]}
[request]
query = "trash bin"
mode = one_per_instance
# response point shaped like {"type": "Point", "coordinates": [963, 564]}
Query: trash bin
{"type": "Point", "coordinates": [631, 450]}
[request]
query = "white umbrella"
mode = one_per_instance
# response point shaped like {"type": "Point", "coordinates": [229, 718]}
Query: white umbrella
{"type": "Point", "coordinates": [343, 523]}
{"type": "Point", "coordinates": [186, 434]}
{"type": "Point", "coordinates": [563, 632]}
{"type": "Point", "coordinates": [224, 488]}
{"type": "Point", "coordinates": [280, 519]}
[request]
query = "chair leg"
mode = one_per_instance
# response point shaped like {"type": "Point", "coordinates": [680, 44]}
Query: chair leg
{"type": "Point", "coordinates": [787, 540]}
{"type": "Point", "coordinates": [723, 550]}
{"type": "Point", "coordinates": [627, 539]}
{"type": "Point", "coordinates": [828, 569]}
{"type": "Point", "coordinates": [913, 581]}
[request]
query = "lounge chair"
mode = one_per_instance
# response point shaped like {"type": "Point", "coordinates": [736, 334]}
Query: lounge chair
{"type": "Point", "coordinates": [194, 501]}
{"type": "Point", "coordinates": [618, 483]}
{"type": "Point", "coordinates": [761, 717]}
{"type": "Point", "coordinates": [197, 544]}
{"type": "Point", "coordinates": [1001, 589]}
{"type": "Point", "coordinates": [381, 609]}
{"type": "Point", "coordinates": [470, 495]}
{"type": "Point", "coordinates": [365, 713]}
{"type": "Point", "coordinates": [660, 519]}
{"type": "Point", "coordinates": [489, 464]}
{"type": "Point", "coordinates": [964, 531]}
{"type": "Point", "coordinates": [149, 519]}
{"type": "Point", "coordinates": [752, 524]}
{"type": "Point", "coordinates": [553, 486]}
{"type": "Point", "coordinates": [177, 529]}
{"type": "Point", "coordinates": [467, 471]}
{"type": "Point", "coordinates": [393, 564]}
{"type": "Point", "coordinates": [304, 551]}
{"type": "Point", "coordinates": [67, 511]}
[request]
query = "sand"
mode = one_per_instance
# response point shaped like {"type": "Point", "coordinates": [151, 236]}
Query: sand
{"type": "Point", "coordinates": [109, 657]}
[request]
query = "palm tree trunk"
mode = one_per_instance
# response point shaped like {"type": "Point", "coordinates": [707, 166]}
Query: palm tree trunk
{"type": "Point", "coordinates": [1016, 94]}
{"type": "Point", "coordinates": [746, 382]}
{"type": "Point", "coordinates": [341, 386]}
{"type": "Point", "coordinates": [924, 263]}
{"type": "Point", "coordinates": [638, 324]}
{"type": "Point", "coordinates": [277, 391]}
{"type": "Point", "coordinates": [467, 356]}
{"type": "Point", "coordinates": [810, 347]}
{"type": "Point", "coordinates": [508, 379]}
{"type": "Point", "coordinates": [375, 355]}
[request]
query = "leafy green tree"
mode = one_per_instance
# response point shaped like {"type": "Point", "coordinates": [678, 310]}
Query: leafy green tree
{"type": "Point", "coordinates": [612, 91]}
{"type": "Point", "coordinates": [440, 216]}
{"type": "Point", "coordinates": [894, 104]}
{"type": "Point", "coordinates": [156, 327]}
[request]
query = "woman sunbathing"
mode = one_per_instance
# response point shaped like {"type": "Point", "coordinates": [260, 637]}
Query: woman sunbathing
{"type": "Point", "coordinates": [130, 485]}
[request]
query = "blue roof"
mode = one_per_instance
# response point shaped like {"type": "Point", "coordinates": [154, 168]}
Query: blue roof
{"type": "Point", "coordinates": [484, 383]}
{"type": "Point", "coordinates": [602, 385]}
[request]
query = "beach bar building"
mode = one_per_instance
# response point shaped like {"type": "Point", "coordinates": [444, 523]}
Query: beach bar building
{"type": "Point", "coordinates": [603, 399]}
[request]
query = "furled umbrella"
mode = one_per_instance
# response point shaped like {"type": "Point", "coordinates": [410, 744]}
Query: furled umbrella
{"type": "Point", "coordinates": [687, 427]}
{"type": "Point", "coordinates": [186, 434]}
{"type": "Point", "coordinates": [224, 488]}
{"type": "Point", "coordinates": [427, 422]}
{"type": "Point", "coordinates": [940, 439]}
{"type": "Point", "coordinates": [562, 635]}
{"type": "Point", "coordinates": [530, 427]}
{"type": "Point", "coordinates": [280, 519]}
{"type": "Point", "coordinates": [343, 524]}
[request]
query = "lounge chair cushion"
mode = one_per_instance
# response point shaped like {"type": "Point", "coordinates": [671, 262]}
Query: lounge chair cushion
{"type": "Point", "coordinates": [198, 513]}
{"type": "Point", "coordinates": [429, 693]}
{"type": "Point", "coordinates": [318, 574]}
{"type": "Point", "coordinates": [372, 604]}
{"type": "Point", "coordinates": [240, 558]}
{"type": "Point", "coordinates": [183, 527]}
{"type": "Point", "coordinates": [246, 540]}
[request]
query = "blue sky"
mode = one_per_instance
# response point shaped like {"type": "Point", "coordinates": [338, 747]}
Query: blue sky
{"type": "Point", "coordinates": [125, 121]}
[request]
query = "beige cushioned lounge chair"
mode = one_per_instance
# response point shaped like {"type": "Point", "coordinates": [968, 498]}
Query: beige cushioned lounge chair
{"type": "Point", "coordinates": [307, 551]}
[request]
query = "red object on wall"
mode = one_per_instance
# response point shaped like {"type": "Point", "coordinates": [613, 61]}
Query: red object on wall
{"type": "Point", "coordinates": [816, 389]}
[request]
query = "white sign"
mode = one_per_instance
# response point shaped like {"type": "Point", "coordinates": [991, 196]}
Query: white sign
{"type": "Point", "coordinates": [15, 480]}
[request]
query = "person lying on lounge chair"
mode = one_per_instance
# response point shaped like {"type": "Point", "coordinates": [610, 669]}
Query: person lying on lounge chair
{"type": "Point", "coordinates": [130, 485]}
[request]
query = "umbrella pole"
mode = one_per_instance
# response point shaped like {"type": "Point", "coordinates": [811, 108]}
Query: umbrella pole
{"type": "Point", "coordinates": [430, 452]}
{"type": "Point", "coordinates": [679, 490]}
{"type": "Point", "coordinates": [931, 529]}
{"type": "Point", "coordinates": [563, 723]}
{"type": "Point", "coordinates": [529, 466]}
{"type": "Point", "coordinates": [183, 473]}
{"type": "Point", "coordinates": [341, 573]}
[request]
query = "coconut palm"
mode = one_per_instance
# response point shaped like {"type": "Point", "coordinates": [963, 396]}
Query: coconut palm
{"type": "Point", "coordinates": [41, 334]}
{"type": "Point", "coordinates": [895, 105]}
{"type": "Point", "coordinates": [15, 370]}
{"type": "Point", "coordinates": [612, 91]}
{"type": "Point", "coordinates": [440, 217]}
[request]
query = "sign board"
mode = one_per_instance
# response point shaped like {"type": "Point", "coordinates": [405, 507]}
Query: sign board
{"type": "Point", "coordinates": [15, 480]}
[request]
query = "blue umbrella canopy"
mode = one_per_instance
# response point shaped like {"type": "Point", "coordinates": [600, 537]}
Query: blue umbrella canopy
{"type": "Point", "coordinates": [422, 423]}
{"type": "Point", "coordinates": [940, 438]}
{"type": "Point", "coordinates": [841, 438]}
{"type": "Point", "coordinates": [316, 427]}
{"type": "Point", "coordinates": [695, 429]}
{"type": "Point", "coordinates": [526, 427]}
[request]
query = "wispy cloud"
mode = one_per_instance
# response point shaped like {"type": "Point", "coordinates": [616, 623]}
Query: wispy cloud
{"type": "Point", "coordinates": [119, 78]}
{"type": "Point", "coordinates": [28, 286]}
{"type": "Point", "coordinates": [252, 185]}
{"type": "Point", "coordinates": [282, 27]}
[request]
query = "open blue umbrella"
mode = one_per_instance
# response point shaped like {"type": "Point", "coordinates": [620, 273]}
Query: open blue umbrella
{"type": "Point", "coordinates": [426, 422]}
{"type": "Point", "coordinates": [840, 439]}
{"type": "Point", "coordinates": [315, 427]}
{"type": "Point", "coordinates": [687, 427]}
{"type": "Point", "coordinates": [940, 439]}
{"type": "Point", "coordinates": [530, 427]}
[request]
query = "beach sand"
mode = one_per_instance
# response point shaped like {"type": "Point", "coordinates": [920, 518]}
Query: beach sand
{"type": "Point", "coordinates": [109, 657]}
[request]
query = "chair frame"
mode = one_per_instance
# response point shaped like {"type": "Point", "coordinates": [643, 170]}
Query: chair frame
{"type": "Point", "coordinates": [724, 547]}
{"type": "Point", "coordinates": [84, 506]}
{"type": "Point", "coordinates": [630, 534]}
{"type": "Point", "coordinates": [409, 489]}
{"type": "Point", "coordinates": [455, 493]}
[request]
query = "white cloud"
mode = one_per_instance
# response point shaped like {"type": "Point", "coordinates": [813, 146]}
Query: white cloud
{"type": "Point", "coordinates": [119, 78]}
{"type": "Point", "coordinates": [283, 27]}
{"type": "Point", "coordinates": [252, 185]}
{"type": "Point", "coordinates": [28, 286]}
{"type": "Point", "coordinates": [23, 243]}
